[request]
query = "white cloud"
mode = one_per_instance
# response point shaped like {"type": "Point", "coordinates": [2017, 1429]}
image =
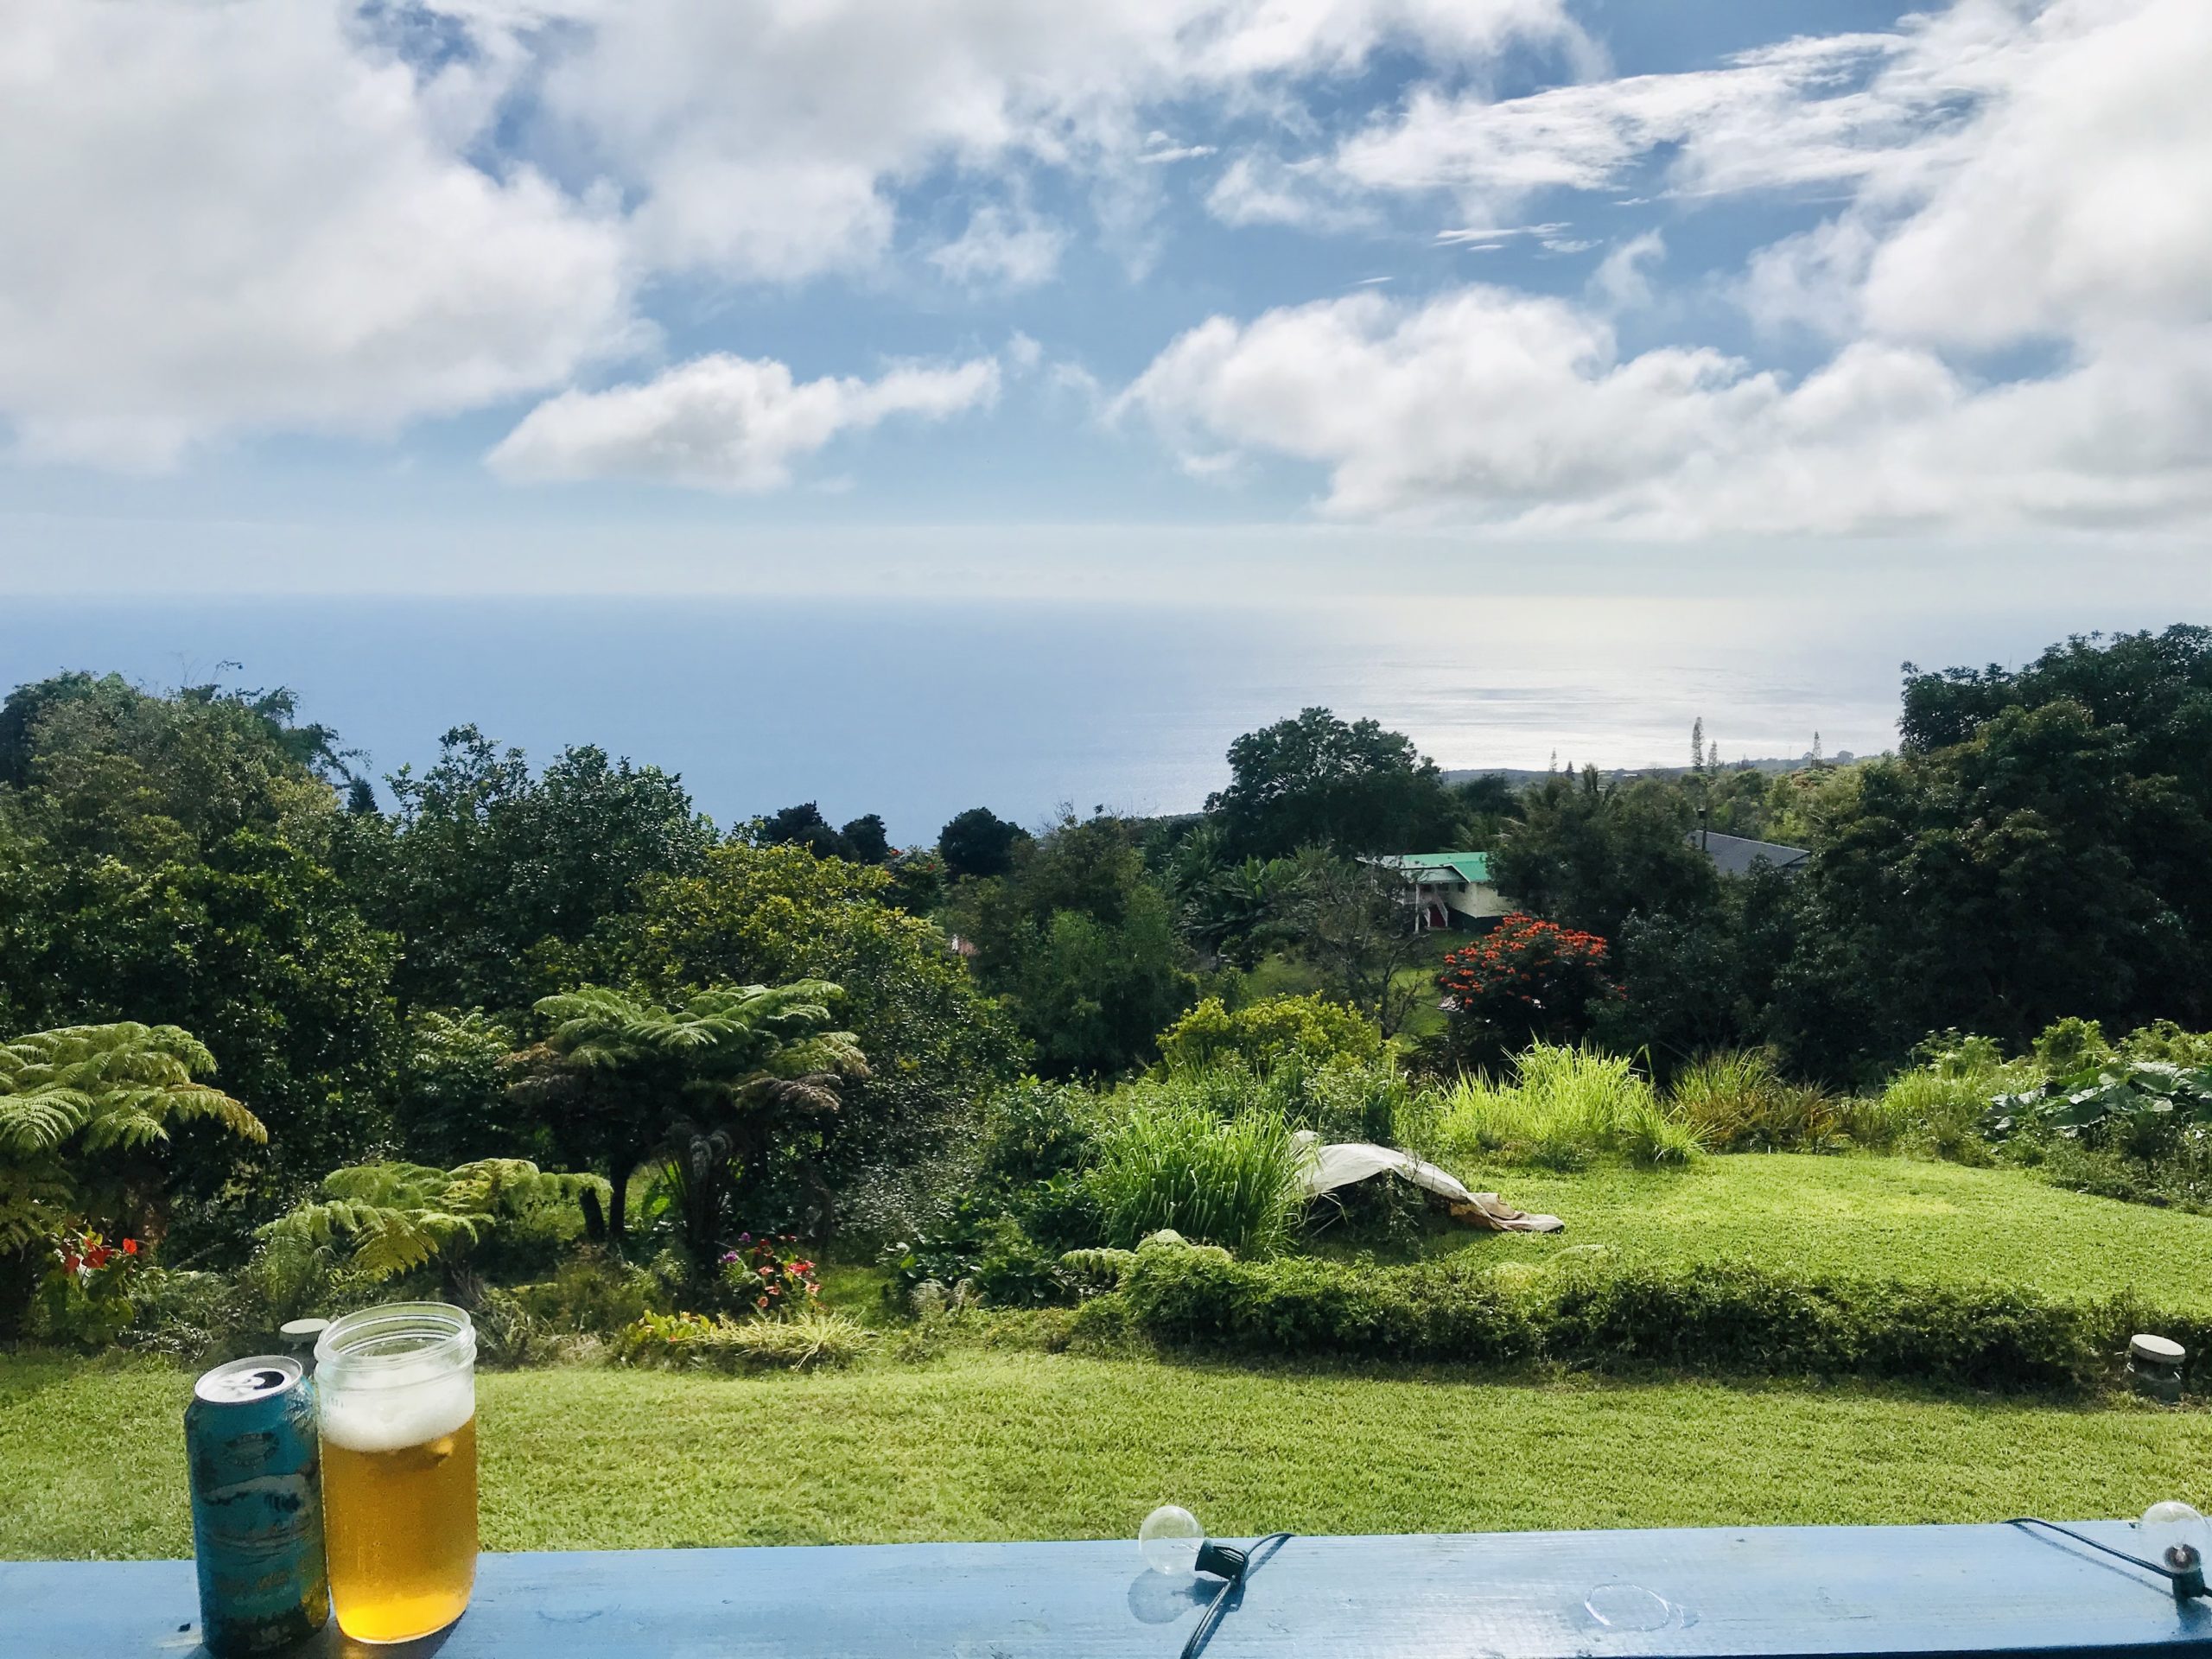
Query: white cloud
{"type": "Point", "coordinates": [251, 215]}
{"type": "Point", "coordinates": [769, 138]}
{"type": "Point", "coordinates": [328, 214]}
{"type": "Point", "coordinates": [1002, 248]}
{"type": "Point", "coordinates": [2017, 175]}
{"type": "Point", "coordinates": [724, 422]}
{"type": "Point", "coordinates": [1498, 407]}
{"type": "Point", "coordinates": [1621, 283]}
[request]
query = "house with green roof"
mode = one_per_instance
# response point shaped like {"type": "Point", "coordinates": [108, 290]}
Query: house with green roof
{"type": "Point", "coordinates": [1448, 890]}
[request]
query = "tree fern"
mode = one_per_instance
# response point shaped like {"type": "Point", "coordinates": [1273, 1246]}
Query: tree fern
{"type": "Point", "coordinates": [630, 1071]}
{"type": "Point", "coordinates": [391, 1218]}
{"type": "Point", "coordinates": [70, 1096]}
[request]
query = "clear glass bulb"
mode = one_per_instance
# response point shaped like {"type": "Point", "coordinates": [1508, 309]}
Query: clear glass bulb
{"type": "Point", "coordinates": [2167, 1525]}
{"type": "Point", "coordinates": [1169, 1540]}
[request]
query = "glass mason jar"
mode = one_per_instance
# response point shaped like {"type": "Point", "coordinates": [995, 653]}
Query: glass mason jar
{"type": "Point", "coordinates": [396, 1395]}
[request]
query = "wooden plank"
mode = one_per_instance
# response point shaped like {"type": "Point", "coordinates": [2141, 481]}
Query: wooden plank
{"type": "Point", "coordinates": [1723, 1593]}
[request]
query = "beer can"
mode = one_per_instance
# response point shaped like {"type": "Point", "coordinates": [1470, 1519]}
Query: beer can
{"type": "Point", "coordinates": [256, 1506]}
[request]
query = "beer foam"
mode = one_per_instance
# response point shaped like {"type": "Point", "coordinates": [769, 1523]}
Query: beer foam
{"type": "Point", "coordinates": [387, 1419]}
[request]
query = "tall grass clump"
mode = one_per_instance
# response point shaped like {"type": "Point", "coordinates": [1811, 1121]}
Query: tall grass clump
{"type": "Point", "coordinates": [1937, 1106]}
{"type": "Point", "coordinates": [1173, 1163]}
{"type": "Point", "coordinates": [1561, 1107]}
{"type": "Point", "coordinates": [1737, 1101]}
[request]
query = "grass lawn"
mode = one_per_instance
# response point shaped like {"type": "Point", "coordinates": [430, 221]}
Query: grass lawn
{"type": "Point", "coordinates": [988, 1445]}
{"type": "Point", "coordinates": [1894, 1218]}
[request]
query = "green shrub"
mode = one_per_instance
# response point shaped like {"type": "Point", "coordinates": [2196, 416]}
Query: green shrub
{"type": "Point", "coordinates": [595, 1292]}
{"type": "Point", "coordinates": [1034, 1131]}
{"type": "Point", "coordinates": [1562, 1107]}
{"type": "Point", "coordinates": [2163, 1039]}
{"type": "Point", "coordinates": [1063, 1213]}
{"type": "Point", "coordinates": [1723, 1317]}
{"type": "Point", "coordinates": [1173, 1164]}
{"type": "Point", "coordinates": [1736, 1101]}
{"type": "Point", "coordinates": [1311, 1029]}
{"type": "Point", "coordinates": [813, 1340]}
{"type": "Point", "coordinates": [1095, 1271]}
{"type": "Point", "coordinates": [1925, 1109]}
{"type": "Point", "coordinates": [1013, 1272]}
{"type": "Point", "coordinates": [1650, 1139]}
{"type": "Point", "coordinates": [390, 1218]}
{"type": "Point", "coordinates": [1298, 1305]}
{"type": "Point", "coordinates": [1339, 1099]}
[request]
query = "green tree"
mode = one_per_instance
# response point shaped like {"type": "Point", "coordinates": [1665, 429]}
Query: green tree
{"type": "Point", "coordinates": [98, 768]}
{"type": "Point", "coordinates": [1591, 853]}
{"type": "Point", "coordinates": [978, 843]}
{"type": "Point", "coordinates": [1351, 921]}
{"type": "Point", "coordinates": [625, 1075]}
{"type": "Point", "coordinates": [493, 877]}
{"type": "Point", "coordinates": [773, 914]}
{"type": "Point", "coordinates": [1317, 781]}
{"type": "Point", "coordinates": [867, 840]}
{"type": "Point", "coordinates": [1081, 942]}
{"type": "Point", "coordinates": [2003, 882]}
{"type": "Point", "coordinates": [805, 826]}
{"type": "Point", "coordinates": [258, 949]}
{"type": "Point", "coordinates": [450, 1094]}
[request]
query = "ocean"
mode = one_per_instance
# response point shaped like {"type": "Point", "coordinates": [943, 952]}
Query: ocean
{"type": "Point", "coordinates": [917, 709]}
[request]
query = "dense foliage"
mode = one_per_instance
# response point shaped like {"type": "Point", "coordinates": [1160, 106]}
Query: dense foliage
{"type": "Point", "coordinates": [547, 1041]}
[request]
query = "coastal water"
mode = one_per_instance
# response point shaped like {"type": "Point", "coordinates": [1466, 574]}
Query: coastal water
{"type": "Point", "coordinates": [919, 709]}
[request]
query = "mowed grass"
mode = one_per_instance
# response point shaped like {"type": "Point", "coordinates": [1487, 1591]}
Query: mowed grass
{"type": "Point", "coordinates": [1884, 1217]}
{"type": "Point", "coordinates": [994, 1445]}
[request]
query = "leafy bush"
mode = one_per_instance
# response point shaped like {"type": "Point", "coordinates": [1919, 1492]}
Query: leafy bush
{"type": "Point", "coordinates": [947, 1253]}
{"type": "Point", "coordinates": [2136, 1107]}
{"type": "Point", "coordinates": [1034, 1131]}
{"type": "Point", "coordinates": [1095, 1271]}
{"type": "Point", "coordinates": [1725, 1317]}
{"type": "Point", "coordinates": [593, 1292]}
{"type": "Point", "coordinates": [1312, 1028]}
{"type": "Point", "coordinates": [1563, 1106]}
{"type": "Point", "coordinates": [1342, 1099]}
{"type": "Point", "coordinates": [1527, 980]}
{"type": "Point", "coordinates": [1013, 1271]}
{"type": "Point", "coordinates": [1736, 1101]}
{"type": "Point", "coordinates": [1175, 1164]}
{"type": "Point", "coordinates": [391, 1218]}
{"type": "Point", "coordinates": [85, 1299]}
{"type": "Point", "coordinates": [2181, 1177]}
{"type": "Point", "coordinates": [1650, 1139]}
{"type": "Point", "coordinates": [814, 1340]}
{"type": "Point", "coordinates": [768, 1276]}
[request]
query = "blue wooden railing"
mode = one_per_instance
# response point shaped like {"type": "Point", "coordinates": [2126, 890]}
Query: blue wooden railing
{"type": "Point", "coordinates": [1770, 1592]}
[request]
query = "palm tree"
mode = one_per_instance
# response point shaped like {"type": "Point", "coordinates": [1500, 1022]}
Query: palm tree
{"type": "Point", "coordinates": [81, 1109]}
{"type": "Point", "coordinates": [619, 1075]}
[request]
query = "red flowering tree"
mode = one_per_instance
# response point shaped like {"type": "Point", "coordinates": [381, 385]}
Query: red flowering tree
{"type": "Point", "coordinates": [1527, 979]}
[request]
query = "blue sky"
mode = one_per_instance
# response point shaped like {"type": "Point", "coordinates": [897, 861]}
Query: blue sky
{"type": "Point", "coordinates": [816, 294]}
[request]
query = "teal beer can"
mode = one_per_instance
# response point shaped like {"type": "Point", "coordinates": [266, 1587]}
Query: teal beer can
{"type": "Point", "coordinates": [256, 1506]}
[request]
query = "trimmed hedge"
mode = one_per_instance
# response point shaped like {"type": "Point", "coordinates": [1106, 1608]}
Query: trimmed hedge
{"type": "Point", "coordinates": [1723, 1317]}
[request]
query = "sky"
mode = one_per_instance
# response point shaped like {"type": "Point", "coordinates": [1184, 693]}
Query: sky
{"type": "Point", "coordinates": [1160, 298]}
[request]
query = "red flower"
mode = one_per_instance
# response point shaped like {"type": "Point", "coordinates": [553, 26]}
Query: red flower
{"type": "Point", "coordinates": [131, 1247]}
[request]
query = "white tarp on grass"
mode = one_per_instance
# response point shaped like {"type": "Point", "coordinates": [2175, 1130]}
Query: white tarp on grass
{"type": "Point", "coordinates": [1326, 1168]}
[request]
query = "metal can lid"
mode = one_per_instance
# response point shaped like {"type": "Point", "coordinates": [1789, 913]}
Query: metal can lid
{"type": "Point", "coordinates": [2164, 1349]}
{"type": "Point", "coordinates": [302, 1332]}
{"type": "Point", "coordinates": [264, 1376]}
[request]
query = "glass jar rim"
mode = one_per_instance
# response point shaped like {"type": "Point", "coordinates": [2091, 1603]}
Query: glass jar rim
{"type": "Point", "coordinates": [395, 1342]}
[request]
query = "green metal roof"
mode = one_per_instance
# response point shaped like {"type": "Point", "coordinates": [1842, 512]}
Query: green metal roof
{"type": "Point", "coordinates": [1466, 867]}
